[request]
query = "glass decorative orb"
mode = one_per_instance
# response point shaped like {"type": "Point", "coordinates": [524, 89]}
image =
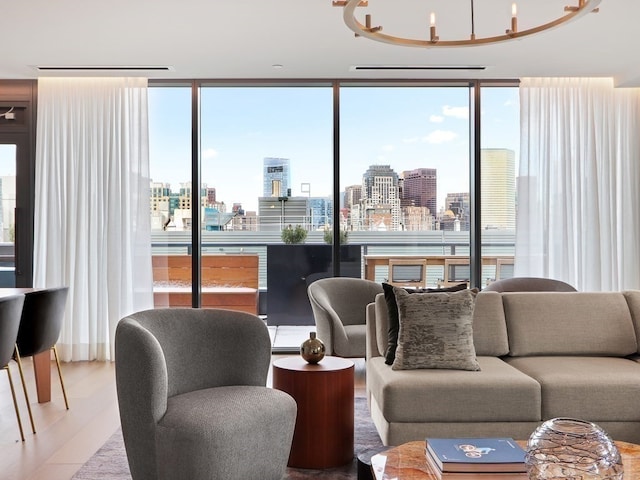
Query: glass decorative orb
{"type": "Point", "coordinates": [312, 349]}
{"type": "Point", "coordinates": [567, 448]}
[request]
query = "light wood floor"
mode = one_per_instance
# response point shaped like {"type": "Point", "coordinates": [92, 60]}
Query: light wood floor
{"type": "Point", "coordinates": [67, 439]}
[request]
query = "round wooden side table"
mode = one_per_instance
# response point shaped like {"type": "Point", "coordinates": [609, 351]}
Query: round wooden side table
{"type": "Point", "coordinates": [323, 436]}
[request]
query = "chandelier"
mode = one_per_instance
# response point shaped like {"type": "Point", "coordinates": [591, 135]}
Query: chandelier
{"type": "Point", "coordinates": [569, 13]}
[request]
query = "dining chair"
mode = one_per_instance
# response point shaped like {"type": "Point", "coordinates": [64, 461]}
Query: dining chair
{"type": "Point", "coordinates": [40, 326]}
{"type": "Point", "coordinates": [10, 311]}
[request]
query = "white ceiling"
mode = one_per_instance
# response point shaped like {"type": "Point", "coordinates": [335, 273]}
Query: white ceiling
{"type": "Point", "coordinates": [238, 39]}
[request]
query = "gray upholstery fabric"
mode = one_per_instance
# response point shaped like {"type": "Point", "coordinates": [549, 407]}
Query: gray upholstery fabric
{"type": "Point", "coordinates": [528, 284]}
{"type": "Point", "coordinates": [178, 373]}
{"type": "Point", "coordinates": [489, 327]}
{"type": "Point", "coordinates": [633, 301]}
{"type": "Point", "coordinates": [590, 372]}
{"type": "Point", "coordinates": [593, 388]}
{"type": "Point", "coordinates": [496, 393]}
{"type": "Point", "coordinates": [338, 302]}
{"type": "Point", "coordinates": [435, 330]}
{"type": "Point", "coordinates": [578, 323]}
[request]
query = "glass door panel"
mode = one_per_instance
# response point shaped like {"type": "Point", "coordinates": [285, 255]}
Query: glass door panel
{"type": "Point", "coordinates": [7, 214]}
{"type": "Point", "coordinates": [267, 172]}
{"type": "Point", "coordinates": [500, 145]}
{"type": "Point", "coordinates": [405, 178]}
{"type": "Point", "coordinates": [170, 194]}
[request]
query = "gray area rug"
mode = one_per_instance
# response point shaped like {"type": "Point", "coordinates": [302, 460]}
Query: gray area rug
{"type": "Point", "coordinates": [110, 461]}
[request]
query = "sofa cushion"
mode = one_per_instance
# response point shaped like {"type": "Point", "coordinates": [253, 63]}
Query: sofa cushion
{"type": "Point", "coordinates": [592, 388]}
{"type": "Point", "coordinates": [489, 327]}
{"type": "Point", "coordinates": [496, 393]}
{"type": "Point", "coordinates": [435, 330]}
{"type": "Point", "coordinates": [633, 302]}
{"type": "Point", "coordinates": [569, 323]}
{"type": "Point", "coordinates": [392, 312]}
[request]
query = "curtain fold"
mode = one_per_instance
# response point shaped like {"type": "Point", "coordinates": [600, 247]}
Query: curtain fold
{"type": "Point", "coordinates": [92, 224]}
{"type": "Point", "coordinates": [578, 204]}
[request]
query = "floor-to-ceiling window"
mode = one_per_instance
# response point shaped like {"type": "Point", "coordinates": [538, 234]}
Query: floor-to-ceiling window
{"type": "Point", "coordinates": [170, 194]}
{"type": "Point", "coordinates": [7, 214]}
{"type": "Point", "coordinates": [266, 168]}
{"type": "Point", "coordinates": [499, 155]}
{"type": "Point", "coordinates": [404, 156]}
{"type": "Point", "coordinates": [265, 158]}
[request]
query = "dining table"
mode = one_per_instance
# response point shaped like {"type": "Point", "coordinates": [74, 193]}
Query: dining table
{"type": "Point", "coordinates": [41, 361]}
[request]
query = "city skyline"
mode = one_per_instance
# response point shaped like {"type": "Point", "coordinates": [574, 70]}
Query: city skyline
{"type": "Point", "coordinates": [384, 200]}
{"type": "Point", "coordinates": [505, 169]}
{"type": "Point", "coordinates": [413, 127]}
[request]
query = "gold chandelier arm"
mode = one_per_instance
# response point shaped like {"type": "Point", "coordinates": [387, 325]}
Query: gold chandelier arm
{"type": "Point", "coordinates": [349, 7]}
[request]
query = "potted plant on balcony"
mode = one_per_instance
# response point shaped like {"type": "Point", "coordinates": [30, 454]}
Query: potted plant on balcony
{"type": "Point", "coordinates": [328, 236]}
{"type": "Point", "coordinates": [295, 235]}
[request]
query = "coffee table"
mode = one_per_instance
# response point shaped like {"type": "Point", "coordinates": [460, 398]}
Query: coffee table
{"type": "Point", "coordinates": [323, 436]}
{"type": "Point", "coordinates": [407, 462]}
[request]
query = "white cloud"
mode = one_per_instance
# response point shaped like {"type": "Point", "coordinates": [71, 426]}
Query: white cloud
{"type": "Point", "coordinates": [440, 136]}
{"type": "Point", "coordinates": [209, 153]}
{"type": "Point", "coordinates": [411, 140]}
{"type": "Point", "coordinates": [456, 112]}
{"type": "Point", "coordinates": [387, 148]}
{"type": "Point", "coordinates": [436, 118]}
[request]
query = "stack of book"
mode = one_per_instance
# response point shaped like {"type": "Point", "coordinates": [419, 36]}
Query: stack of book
{"type": "Point", "coordinates": [476, 458]}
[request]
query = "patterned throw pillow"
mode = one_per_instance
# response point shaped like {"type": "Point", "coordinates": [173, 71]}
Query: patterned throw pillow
{"type": "Point", "coordinates": [392, 312]}
{"type": "Point", "coordinates": [435, 330]}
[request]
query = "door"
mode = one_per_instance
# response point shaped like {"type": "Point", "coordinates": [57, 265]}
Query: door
{"type": "Point", "coordinates": [16, 212]}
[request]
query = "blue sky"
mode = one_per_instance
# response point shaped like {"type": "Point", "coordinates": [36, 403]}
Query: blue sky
{"type": "Point", "coordinates": [405, 127]}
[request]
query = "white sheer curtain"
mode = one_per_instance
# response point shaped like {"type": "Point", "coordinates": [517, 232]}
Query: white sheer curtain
{"type": "Point", "coordinates": [578, 186]}
{"type": "Point", "coordinates": [92, 225]}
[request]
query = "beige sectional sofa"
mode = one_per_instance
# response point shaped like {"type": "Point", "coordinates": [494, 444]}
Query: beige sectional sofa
{"type": "Point", "coordinates": [542, 355]}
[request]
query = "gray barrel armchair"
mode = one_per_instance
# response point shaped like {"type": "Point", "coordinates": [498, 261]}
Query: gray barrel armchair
{"type": "Point", "coordinates": [192, 397]}
{"type": "Point", "coordinates": [339, 307]}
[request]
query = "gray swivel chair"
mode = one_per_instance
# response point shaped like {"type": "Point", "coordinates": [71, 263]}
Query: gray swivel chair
{"type": "Point", "coordinates": [192, 397]}
{"type": "Point", "coordinates": [339, 307]}
{"type": "Point", "coordinates": [529, 284]}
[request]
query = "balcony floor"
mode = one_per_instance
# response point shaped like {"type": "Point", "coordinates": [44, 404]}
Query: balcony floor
{"type": "Point", "coordinates": [287, 338]}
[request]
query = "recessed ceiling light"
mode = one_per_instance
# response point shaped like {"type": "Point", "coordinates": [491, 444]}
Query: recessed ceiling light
{"type": "Point", "coordinates": [103, 68]}
{"type": "Point", "coordinates": [277, 66]}
{"type": "Point", "coordinates": [354, 68]}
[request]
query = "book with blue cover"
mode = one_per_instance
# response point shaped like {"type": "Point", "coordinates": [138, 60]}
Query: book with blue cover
{"type": "Point", "coordinates": [484, 454]}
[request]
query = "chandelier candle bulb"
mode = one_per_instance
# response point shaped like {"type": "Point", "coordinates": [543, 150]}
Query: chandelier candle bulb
{"type": "Point", "coordinates": [514, 18]}
{"type": "Point", "coordinates": [432, 28]}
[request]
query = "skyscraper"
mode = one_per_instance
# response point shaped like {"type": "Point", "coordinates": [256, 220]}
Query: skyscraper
{"type": "Point", "coordinates": [457, 210]}
{"type": "Point", "coordinates": [276, 177]}
{"type": "Point", "coordinates": [498, 187]}
{"type": "Point", "coordinates": [352, 195]}
{"type": "Point", "coordinates": [380, 198]}
{"type": "Point", "coordinates": [420, 185]}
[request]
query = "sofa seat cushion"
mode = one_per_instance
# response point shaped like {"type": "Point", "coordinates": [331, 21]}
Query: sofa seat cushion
{"type": "Point", "coordinates": [496, 393]}
{"type": "Point", "coordinates": [590, 388]}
